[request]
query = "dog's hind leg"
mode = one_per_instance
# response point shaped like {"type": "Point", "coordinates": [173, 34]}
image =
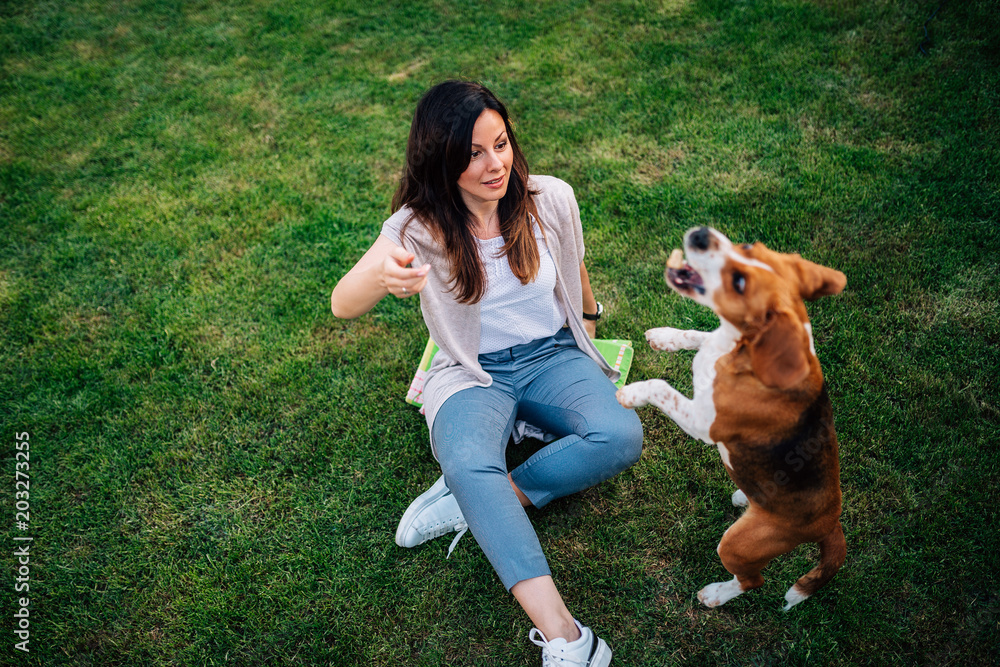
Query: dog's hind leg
{"type": "Point", "coordinates": [746, 549]}
{"type": "Point", "coordinates": [832, 552]}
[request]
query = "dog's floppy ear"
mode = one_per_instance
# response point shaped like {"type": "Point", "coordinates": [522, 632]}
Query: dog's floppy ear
{"type": "Point", "coordinates": [778, 352]}
{"type": "Point", "coordinates": [816, 280]}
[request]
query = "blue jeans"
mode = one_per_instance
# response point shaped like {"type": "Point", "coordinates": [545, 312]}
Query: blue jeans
{"type": "Point", "coordinates": [549, 383]}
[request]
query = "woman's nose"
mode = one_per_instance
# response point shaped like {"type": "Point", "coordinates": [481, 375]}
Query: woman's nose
{"type": "Point", "coordinates": [495, 162]}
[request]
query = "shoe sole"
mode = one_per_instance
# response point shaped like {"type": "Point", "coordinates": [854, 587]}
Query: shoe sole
{"type": "Point", "coordinates": [431, 495]}
{"type": "Point", "coordinates": [602, 656]}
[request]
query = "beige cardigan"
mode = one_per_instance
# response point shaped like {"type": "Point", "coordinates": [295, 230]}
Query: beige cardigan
{"type": "Point", "coordinates": [455, 326]}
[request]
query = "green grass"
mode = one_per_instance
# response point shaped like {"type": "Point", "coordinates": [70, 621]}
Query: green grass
{"type": "Point", "coordinates": [218, 465]}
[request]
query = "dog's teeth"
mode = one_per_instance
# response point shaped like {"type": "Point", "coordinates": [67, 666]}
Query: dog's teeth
{"type": "Point", "coordinates": [676, 260]}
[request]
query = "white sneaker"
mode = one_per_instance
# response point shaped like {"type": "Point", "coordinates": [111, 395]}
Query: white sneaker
{"type": "Point", "coordinates": [434, 513]}
{"type": "Point", "coordinates": [587, 651]}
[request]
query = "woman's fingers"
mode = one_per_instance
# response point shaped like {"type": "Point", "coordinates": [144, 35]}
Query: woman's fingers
{"type": "Point", "coordinates": [413, 287]}
{"type": "Point", "coordinates": [401, 256]}
{"type": "Point", "coordinates": [416, 282]}
{"type": "Point", "coordinates": [401, 280]}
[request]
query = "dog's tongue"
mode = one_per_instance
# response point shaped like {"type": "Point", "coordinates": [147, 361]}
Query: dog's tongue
{"type": "Point", "coordinates": [680, 274]}
{"type": "Point", "coordinates": [686, 278]}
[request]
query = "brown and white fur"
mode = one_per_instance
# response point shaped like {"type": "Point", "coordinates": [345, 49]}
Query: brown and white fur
{"type": "Point", "coordinates": [759, 396]}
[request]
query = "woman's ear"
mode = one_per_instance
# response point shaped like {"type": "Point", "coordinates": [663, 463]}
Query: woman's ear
{"type": "Point", "coordinates": [778, 354]}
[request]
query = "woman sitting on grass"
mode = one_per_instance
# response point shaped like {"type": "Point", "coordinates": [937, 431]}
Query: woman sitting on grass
{"type": "Point", "coordinates": [498, 260]}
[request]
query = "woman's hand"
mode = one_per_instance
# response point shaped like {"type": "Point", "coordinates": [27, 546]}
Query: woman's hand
{"type": "Point", "coordinates": [591, 327]}
{"type": "Point", "coordinates": [400, 280]}
{"type": "Point", "coordinates": [382, 270]}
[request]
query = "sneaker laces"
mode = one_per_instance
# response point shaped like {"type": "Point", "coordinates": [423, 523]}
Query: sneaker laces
{"type": "Point", "coordinates": [551, 658]}
{"type": "Point", "coordinates": [462, 529]}
{"type": "Point", "coordinates": [443, 528]}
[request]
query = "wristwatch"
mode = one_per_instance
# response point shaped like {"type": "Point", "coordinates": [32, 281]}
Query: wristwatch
{"type": "Point", "coordinates": [597, 315]}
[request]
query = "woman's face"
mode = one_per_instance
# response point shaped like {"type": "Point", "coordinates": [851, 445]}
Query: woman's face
{"type": "Point", "coordinates": [486, 177]}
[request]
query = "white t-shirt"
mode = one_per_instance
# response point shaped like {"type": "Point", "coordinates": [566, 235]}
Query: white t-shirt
{"type": "Point", "coordinates": [512, 313]}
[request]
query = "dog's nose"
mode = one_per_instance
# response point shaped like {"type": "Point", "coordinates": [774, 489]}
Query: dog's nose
{"type": "Point", "coordinates": [699, 239]}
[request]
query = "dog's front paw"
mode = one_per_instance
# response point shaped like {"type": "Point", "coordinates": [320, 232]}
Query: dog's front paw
{"type": "Point", "coordinates": [665, 339]}
{"type": "Point", "coordinates": [632, 396]}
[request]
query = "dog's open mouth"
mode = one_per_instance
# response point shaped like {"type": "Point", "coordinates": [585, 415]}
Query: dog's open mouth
{"type": "Point", "coordinates": [686, 279]}
{"type": "Point", "coordinates": [681, 276]}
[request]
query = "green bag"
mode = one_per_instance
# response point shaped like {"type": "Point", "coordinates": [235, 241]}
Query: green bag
{"type": "Point", "coordinates": [617, 352]}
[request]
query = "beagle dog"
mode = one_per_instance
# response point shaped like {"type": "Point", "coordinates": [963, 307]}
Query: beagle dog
{"type": "Point", "coordinates": [759, 396]}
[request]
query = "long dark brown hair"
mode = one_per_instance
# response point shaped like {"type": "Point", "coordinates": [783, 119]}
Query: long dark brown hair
{"type": "Point", "coordinates": [438, 151]}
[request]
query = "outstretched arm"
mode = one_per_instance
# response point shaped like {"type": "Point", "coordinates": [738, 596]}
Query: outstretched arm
{"type": "Point", "coordinates": [381, 271]}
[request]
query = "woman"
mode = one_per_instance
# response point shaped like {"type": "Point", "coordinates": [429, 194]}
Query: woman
{"type": "Point", "coordinates": [497, 258]}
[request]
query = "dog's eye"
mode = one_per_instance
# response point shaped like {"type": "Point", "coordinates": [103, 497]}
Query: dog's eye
{"type": "Point", "coordinates": [748, 246]}
{"type": "Point", "coordinates": [739, 282]}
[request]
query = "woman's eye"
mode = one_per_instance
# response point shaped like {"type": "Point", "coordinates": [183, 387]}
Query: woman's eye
{"type": "Point", "coordinates": [739, 282]}
{"type": "Point", "coordinates": [502, 145]}
{"type": "Point", "coordinates": [476, 154]}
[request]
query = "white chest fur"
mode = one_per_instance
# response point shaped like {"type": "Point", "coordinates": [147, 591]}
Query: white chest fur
{"type": "Point", "coordinates": [694, 415]}
{"type": "Point", "coordinates": [719, 343]}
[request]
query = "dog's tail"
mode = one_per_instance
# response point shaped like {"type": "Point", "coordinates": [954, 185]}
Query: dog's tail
{"type": "Point", "coordinates": [832, 552]}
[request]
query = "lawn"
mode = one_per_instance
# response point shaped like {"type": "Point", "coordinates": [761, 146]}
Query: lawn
{"type": "Point", "coordinates": [217, 464]}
